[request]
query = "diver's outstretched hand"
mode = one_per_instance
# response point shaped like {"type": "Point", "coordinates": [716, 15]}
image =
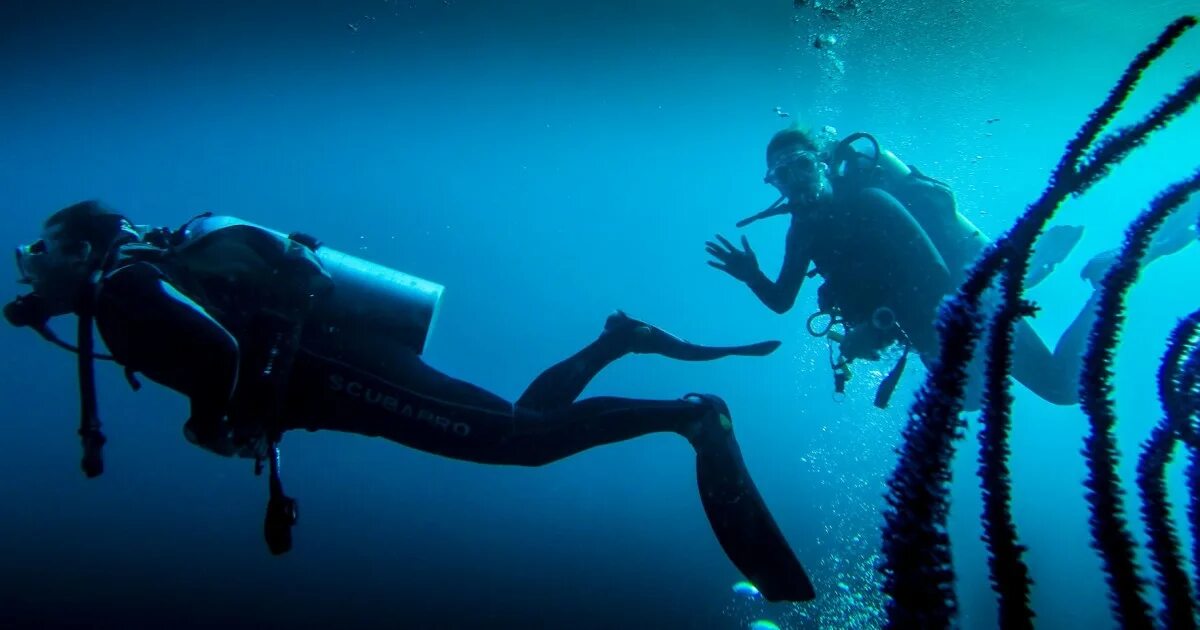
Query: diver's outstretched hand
{"type": "Point", "coordinates": [642, 338]}
{"type": "Point", "coordinates": [739, 263]}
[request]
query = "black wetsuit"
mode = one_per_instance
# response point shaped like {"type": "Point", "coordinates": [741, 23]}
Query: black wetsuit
{"type": "Point", "coordinates": [151, 326]}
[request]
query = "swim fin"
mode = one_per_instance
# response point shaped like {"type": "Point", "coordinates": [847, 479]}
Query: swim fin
{"type": "Point", "coordinates": [1176, 233]}
{"type": "Point", "coordinates": [1051, 248]}
{"type": "Point", "coordinates": [739, 516]}
{"type": "Point", "coordinates": [647, 339]}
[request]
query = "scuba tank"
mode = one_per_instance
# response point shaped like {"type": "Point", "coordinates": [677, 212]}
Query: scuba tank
{"type": "Point", "coordinates": [859, 162]}
{"type": "Point", "coordinates": [370, 309]}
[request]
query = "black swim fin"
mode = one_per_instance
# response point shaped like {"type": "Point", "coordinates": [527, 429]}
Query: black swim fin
{"type": "Point", "coordinates": [1051, 248]}
{"type": "Point", "coordinates": [647, 339]}
{"type": "Point", "coordinates": [739, 516]}
{"type": "Point", "coordinates": [676, 348]}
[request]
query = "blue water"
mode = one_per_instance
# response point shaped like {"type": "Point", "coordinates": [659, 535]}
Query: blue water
{"type": "Point", "coordinates": [547, 162]}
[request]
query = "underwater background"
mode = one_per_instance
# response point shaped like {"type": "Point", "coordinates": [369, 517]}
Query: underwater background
{"type": "Point", "coordinates": [548, 162]}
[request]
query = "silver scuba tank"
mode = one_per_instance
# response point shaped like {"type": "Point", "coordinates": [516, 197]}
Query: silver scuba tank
{"type": "Point", "coordinates": [372, 309]}
{"type": "Point", "coordinates": [370, 298]}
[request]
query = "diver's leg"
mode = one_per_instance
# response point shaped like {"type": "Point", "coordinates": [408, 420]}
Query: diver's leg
{"type": "Point", "coordinates": [411, 404]}
{"type": "Point", "coordinates": [563, 382]}
{"type": "Point", "coordinates": [416, 405]}
{"type": "Point", "coordinates": [420, 407]}
{"type": "Point", "coordinates": [1054, 376]}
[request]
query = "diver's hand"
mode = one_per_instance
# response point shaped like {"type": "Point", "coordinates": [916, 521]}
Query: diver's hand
{"type": "Point", "coordinates": [739, 263]}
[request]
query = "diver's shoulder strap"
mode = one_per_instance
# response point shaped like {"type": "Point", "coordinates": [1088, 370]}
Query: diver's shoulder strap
{"type": "Point", "coordinates": [928, 199]}
{"type": "Point", "coordinates": [137, 252]}
{"type": "Point", "coordinates": [922, 177]}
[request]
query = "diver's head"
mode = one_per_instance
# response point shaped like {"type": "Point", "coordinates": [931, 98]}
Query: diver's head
{"type": "Point", "coordinates": [796, 165]}
{"type": "Point", "coordinates": [73, 244]}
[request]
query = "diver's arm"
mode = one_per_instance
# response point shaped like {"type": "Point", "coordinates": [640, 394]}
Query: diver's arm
{"type": "Point", "coordinates": [152, 328]}
{"type": "Point", "coordinates": [780, 296]}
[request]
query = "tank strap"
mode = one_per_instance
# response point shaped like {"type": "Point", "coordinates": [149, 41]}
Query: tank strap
{"type": "Point", "coordinates": [916, 173]}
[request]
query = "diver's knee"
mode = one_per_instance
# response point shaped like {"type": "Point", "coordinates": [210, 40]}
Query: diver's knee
{"type": "Point", "coordinates": [1063, 396]}
{"type": "Point", "coordinates": [712, 402]}
{"type": "Point", "coordinates": [1062, 391]}
{"type": "Point", "coordinates": [713, 416]}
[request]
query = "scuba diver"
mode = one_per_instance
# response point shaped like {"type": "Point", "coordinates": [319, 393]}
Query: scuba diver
{"type": "Point", "coordinates": [266, 333]}
{"type": "Point", "coordinates": [890, 244]}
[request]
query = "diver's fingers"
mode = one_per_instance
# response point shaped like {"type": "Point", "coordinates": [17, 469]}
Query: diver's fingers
{"type": "Point", "coordinates": [726, 243]}
{"type": "Point", "coordinates": [717, 265]}
{"type": "Point", "coordinates": [746, 245]}
{"type": "Point", "coordinates": [716, 250]}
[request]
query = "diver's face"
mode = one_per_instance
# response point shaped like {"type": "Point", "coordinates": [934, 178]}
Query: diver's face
{"type": "Point", "coordinates": [55, 267]}
{"type": "Point", "coordinates": [797, 174]}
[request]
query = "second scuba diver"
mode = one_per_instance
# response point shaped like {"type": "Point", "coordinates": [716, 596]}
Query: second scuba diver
{"type": "Point", "coordinates": [890, 243]}
{"type": "Point", "coordinates": [266, 333]}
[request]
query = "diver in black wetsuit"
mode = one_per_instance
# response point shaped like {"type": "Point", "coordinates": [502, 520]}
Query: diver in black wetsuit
{"type": "Point", "coordinates": [267, 333]}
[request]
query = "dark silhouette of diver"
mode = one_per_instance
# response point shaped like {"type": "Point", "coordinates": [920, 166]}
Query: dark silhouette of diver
{"type": "Point", "coordinates": [267, 333]}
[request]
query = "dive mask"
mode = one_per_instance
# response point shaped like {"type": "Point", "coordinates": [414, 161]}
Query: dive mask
{"type": "Point", "coordinates": [798, 176]}
{"type": "Point", "coordinates": [30, 259]}
{"type": "Point", "coordinates": [36, 262]}
{"type": "Point", "coordinates": [31, 309]}
{"type": "Point", "coordinates": [804, 163]}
